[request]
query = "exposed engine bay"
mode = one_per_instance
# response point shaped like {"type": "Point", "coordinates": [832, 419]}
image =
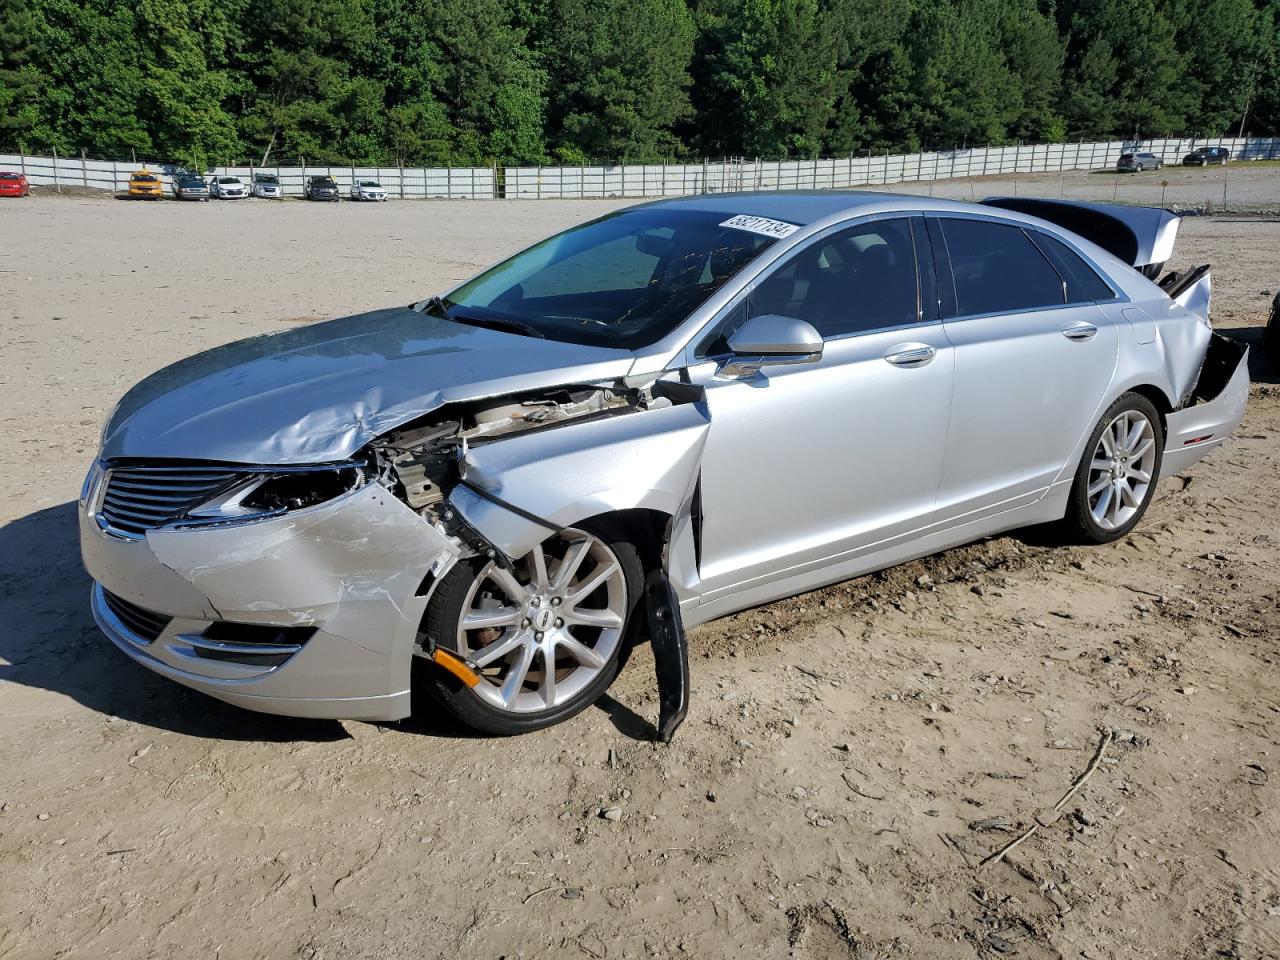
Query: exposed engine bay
{"type": "Point", "coordinates": [422, 462]}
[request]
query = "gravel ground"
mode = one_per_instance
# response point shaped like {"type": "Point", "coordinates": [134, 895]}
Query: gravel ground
{"type": "Point", "coordinates": [849, 757]}
{"type": "Point", "coordinates": [1252, 186]}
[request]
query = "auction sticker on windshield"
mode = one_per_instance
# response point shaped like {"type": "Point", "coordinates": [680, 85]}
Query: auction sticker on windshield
{"type": "Point", "coordinates": [763, 225]}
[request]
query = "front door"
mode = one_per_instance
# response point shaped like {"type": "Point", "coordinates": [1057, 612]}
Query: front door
{"type": "Point", "coordinates": [805, 463]}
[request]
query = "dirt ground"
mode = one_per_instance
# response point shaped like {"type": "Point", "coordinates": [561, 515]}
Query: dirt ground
{"type": "Point", "coordinates": [849, 758]}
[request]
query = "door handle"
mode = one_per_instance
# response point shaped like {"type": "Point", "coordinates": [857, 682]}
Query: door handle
{"type": "Point", "coordinates": [911, 355]}
{"type": "Point", "coordinates": [1080, 331]}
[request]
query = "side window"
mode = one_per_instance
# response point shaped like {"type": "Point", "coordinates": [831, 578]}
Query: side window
{"type": "Point", "coordinates": [863, 278]}
{"type": "Point", "coordinates": [997, 268]}
{"type": "Point", "coordinates": [1083, 283]}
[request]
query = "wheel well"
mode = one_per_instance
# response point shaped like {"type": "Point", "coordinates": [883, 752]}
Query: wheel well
{"type": "Point", "coordinates": [1158, 400]}
{"type": "Point", "coordinates": [648, 530]}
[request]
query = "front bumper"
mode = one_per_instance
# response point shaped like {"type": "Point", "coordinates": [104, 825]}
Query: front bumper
{"type": "Point", "coordinates": [1221, 394]}
{"type": "Point", "coordinates": [353, 569]}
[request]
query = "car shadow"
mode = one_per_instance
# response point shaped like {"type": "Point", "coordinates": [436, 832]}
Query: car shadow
{"type": "Point", "coordinates": [49, 641]}
{"type": "Point", "coordinates": [1262, 369]}
{"type": "Point", "coordinates": [625, 720]}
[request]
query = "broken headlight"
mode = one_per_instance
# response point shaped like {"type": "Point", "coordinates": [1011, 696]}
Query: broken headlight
{"type": "Point", "coordinates": [269, 493]}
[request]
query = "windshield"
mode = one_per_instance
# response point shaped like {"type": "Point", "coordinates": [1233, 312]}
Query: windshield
{"type": "Point", "coordinates": [230, 181]}
{"type": "Point", "coordinates": [266, 178]}
{"type": "Point", "coordinates": [370, 183]}
{"type": "Point", "coordinates": [143, 178]}
{"type": "Point", "coordinates": [625, 280]}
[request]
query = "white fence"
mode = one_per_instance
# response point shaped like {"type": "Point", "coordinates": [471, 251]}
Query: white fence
{"type": "Point", "coordinates": [668, 180]}
{"type": "Point", "coordinates": [445, 183]}
{"type": "Point", "coordinates": [416, 183]}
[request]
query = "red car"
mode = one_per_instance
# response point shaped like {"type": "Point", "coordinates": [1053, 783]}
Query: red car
{"type": "Point", "coordinates": [14, 185]}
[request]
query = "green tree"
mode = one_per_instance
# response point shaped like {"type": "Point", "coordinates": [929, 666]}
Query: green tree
{"type": "Point", "coordinates": [964, 89]}
{"type": "Point", "coordinates": [767, 78]}
{"type": "Point", "coordinates": [1123, 69]}
{"type": "Point", "coordinates": [1224, 44]}
{"type": "Point", "coordinates": [620, 76]}
{"type": "Point", "coordinates": [185, 45]}
{"type": "Point", "coordinates": [486, 78]}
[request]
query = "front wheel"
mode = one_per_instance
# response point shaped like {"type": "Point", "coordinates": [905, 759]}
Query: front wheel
{"type": "Point", "coordinates": [1117, 476]}
{"type": "Point", "coordinates": [546, 638]}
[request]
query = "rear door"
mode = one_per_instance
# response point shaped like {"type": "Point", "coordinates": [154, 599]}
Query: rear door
{"type": "Point", "coordinates": [1034, 356]}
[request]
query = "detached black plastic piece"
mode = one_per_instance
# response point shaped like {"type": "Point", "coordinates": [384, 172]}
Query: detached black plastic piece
{"type": "Point", "coordinates": [670, 653]}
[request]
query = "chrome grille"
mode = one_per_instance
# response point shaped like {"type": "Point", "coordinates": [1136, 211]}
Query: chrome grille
{"type": "Point", "coordinates": [143, 624]}
{"type": "Point", "coordinates": [138, 499]}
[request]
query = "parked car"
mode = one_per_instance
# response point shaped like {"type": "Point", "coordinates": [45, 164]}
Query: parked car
{"type": "Point", "coordinates": [14, 185]}
{"type": "Point", "coordinates": [320, 188]}
{"type": "Point", "coordinates": [368, 190]}
{"type": "Point", "coordinates": [1136, 162]}
{"type": "Point", "coordinates": [1203, 156]}
{"type": "Point", "coordinates": [267, 185]}
{"type": "Point", "coordinates": [190, 186]}
{"type": "Point", "coordinates": [227, 188]}
{"type": "Point", "coordinates": [718, 400]}
{"type": "Point", "coordinates": [145, 185]}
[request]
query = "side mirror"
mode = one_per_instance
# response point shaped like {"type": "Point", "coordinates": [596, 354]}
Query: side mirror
{"type": "Point", "coordinates": [770, 339]}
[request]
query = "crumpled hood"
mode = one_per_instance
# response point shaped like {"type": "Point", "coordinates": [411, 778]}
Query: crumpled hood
{"type": "Point", "coordinates": [319, 393]}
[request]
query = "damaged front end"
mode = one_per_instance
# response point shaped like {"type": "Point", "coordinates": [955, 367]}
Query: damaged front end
{"type": "Point", "coordinates": [302, 590]}
{"type": "Point", "coordinates": [499, 477]}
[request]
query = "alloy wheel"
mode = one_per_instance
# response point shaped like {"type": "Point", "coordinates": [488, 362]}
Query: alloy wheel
{"type": "Point", "coordinates": [541, 633]}
{"type": "Point", "coordinates": [1122, 470]}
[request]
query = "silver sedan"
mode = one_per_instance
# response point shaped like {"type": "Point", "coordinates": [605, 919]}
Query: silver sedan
{"type": "Point", "coordinates": [719, 401]}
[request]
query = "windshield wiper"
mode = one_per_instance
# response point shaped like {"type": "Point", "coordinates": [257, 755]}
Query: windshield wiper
{"type": "Point", "coordinates": [497, 323]}
{"type": "Point", "coordinates": [438, 307]}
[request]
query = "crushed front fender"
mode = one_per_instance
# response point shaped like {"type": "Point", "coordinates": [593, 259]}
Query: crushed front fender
{"type": "Point", "coordinates": [555, 478]}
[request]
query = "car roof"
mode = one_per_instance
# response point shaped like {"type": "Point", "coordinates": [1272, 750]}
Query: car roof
{"type": "Point", "coordinates": [809, 206]}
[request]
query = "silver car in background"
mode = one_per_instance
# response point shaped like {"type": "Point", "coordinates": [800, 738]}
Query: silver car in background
{"type": "Point", "coordinates": [368, 190]}
{"type": "Point", "coordinates": [744, 396]}
{"type": "Point", "coordinates": [267, 186]}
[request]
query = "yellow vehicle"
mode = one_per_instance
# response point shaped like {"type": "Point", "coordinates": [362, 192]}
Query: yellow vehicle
{"type": "Point", "coordinates": [145, 185]}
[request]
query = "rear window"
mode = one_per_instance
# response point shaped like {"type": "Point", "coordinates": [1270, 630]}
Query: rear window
{"type": "Point", "coordinates": [8, 176]}
{"type": "Point", "coordinates": [1083, 283]}
{"type": "Point", "coordinates": [997, 268]}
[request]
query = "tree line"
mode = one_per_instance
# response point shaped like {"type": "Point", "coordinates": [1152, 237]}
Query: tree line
{"type": "Point", "coordinates": [566, 81]}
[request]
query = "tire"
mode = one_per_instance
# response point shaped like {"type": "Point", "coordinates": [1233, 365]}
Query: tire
{"type": "Point", "coordinates": [1104, 515]}
{"type": "Point", "coordinates": [586, 662]}
{"type": "Point", "coordinates": [1271, 335]}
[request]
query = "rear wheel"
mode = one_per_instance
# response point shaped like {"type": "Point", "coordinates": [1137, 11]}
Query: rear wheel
{"type": "Point", "coordinates": [1117, 476]}
{"type": "Point", "coordinates": [547, 638]}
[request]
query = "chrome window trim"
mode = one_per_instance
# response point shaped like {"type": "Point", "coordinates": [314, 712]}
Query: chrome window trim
{"type": "Point", "coordinates": [1116, 297]}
